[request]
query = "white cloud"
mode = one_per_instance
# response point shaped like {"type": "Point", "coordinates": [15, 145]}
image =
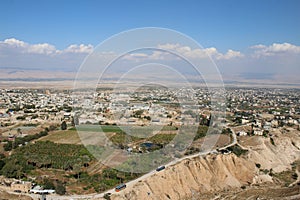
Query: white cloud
{"type": "Point", "coordinates": [230, 54]}
{"type": "Point", "coordinates": [279, 58]}
{"type": "Point", "coordinates": [43, 48]}
{"type": "Point", "coordinates": [13, 42]}
{"type": "Point", "coordinates": [185, 51]}
{"type": "Point", "coordinates": [74, 48]}
{"type": "Point", "coordinates": [284, 47]}
{"type": "Point", "coordinates": [135, 56]}
{"type": "Point", "coordinates": [275, 49]}
{"type": "Point", "coordinates": [17, 53]}
{"type": "Point", "coordinates": [258, 46]}
{"type": "Point", "coordinates": [23, 47]}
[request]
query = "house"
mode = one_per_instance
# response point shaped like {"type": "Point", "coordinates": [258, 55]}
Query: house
{"type": "Point", "coordinates": [67, 115]}
{"type": "Point", "coordinates": [258, 132]}
{"type": "Point", "coordinates": [22, 186]}
{"type": "Point", "coordinates": [245, 121]}
{"type": "Point", "coordinates": [242, 133]}
{"type": "Point", "coordinates": [267, 126]}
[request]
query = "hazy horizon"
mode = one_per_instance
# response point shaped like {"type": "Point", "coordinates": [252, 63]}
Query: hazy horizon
{"type": "Point", "coordinates": [247, 41]}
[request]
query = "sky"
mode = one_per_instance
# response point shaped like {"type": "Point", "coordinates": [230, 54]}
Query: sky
{"type": "Point", "coordinates": [243, 37]}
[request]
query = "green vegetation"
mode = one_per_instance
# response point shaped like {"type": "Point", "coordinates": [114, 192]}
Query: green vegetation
{"type": "Point", "coordinates": [65, 158]}
{"type": "Point", "coordinates": [67, 137]}
{"type": "Point", "coordinates": [162, 138]}
{"type": "Point", "coordinates": [56, 185]}
{"type": "Point", "coordinates": [226, 131]}
{"type": "Point", "coordinates": [137, 113]}
{"type": "Point", "coordinates": [59, 188]}
{"type": "Point", "coordinates": [192, 150]}
{"type": "Point", "coordinates": [97, 128]}
{"type": "Point", "coordinates": [106, 196]}
{"type": "Point", "coordinates": [201, 132]}
{"type": "Point", "coordinates": [30, 125]}
{"type": "Point", "coordinates": [108, 179]}
{"type": "Point", "coordinates": [118, 129]}
{"type": "Point", "coordinates": [169, 128]}
{"type": "Point", "coordinates": [21, 117]}
{"type": "Point", "coordinates": [237, 150]}
{"type": "Point", "coordinates": [23, 140]}
{"type": "Point", "coordinates": [63, 125]}
{"type": "Point", "coordinates": [272, 141]}
{"type": "Point", "coordinates": [265, 171]}
{"type": "Point", "coordinates": [45, 155]}
{"type": "Point", "coordinates": [123, 138]}
{"type": "Point", "coordinates": [286, 177]}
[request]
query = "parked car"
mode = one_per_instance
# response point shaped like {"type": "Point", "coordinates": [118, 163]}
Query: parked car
{"type": "Point", "coordinates": [160, 168]}
{"type": "Point", "coordinates": [120, 187]}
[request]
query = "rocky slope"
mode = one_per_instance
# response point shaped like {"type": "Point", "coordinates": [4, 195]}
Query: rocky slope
{"type": "Point", "coordinates": [215, 173]}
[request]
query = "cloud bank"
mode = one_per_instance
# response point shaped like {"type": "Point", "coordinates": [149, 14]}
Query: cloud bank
{"type": "Point", "coordinates": [15, 53]}
{"type": "Point", "coordinates": [280, 61]}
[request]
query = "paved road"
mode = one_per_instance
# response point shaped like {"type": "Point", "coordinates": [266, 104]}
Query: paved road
{"type": "Point", "coordinates": [145, 176]}
{"type": "Point", "coordinates": [234, 142]}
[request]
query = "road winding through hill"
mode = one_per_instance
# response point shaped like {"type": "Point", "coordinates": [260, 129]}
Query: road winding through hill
{"type": "Point", "coordinates": [142, 178]}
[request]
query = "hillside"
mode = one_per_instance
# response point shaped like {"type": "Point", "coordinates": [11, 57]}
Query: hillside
{"type": "Point", "coordinates": [265, 164]}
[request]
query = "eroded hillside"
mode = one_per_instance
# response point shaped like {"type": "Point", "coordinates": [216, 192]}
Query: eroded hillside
{"type": "Point", "coordinates": [215, 174]}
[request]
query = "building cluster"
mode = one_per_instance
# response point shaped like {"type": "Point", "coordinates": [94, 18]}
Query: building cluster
{"type": "Point", "coordinates": [18, 186]}
{"type": "Point", "coordinates": [261, 108]}
{"type": "Point", "coordinates": [264, 109]}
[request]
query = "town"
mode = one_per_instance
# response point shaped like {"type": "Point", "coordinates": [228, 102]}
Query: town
{"type": "Point", "coordinates": [51, 118]}
{"type": "Point", "coordinates": [261, 108]}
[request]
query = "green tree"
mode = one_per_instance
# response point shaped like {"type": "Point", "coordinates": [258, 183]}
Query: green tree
{"type": "Point", "coordinates": [2, 163]}
{"type": "Point", "coordinates": [48, 184]}
{"type": "Point", "coordinates": [85, 159]}
{"type": "Point", "coordinates": [12, 170]}
{"type": "Point", "coordinates": [106, 196]}
{"type": "Point", "coordinates": [77, 168]}
{"type": "Point", "coordinates": [63, 125]}
{"type": "Point", "coordinates": [19, 131]}
{"type": "Point", "coordinates": [60, 188]}
{"type": "Point", "coordinates": [8, 146]}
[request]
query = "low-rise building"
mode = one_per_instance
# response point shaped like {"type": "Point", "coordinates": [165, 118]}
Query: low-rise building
{"type": "Point", "coordinates": [21, 186]}
{"type": "Point", "coordinates": [242, 133]}
{"type": "Point", "coordinates": [258, 132]}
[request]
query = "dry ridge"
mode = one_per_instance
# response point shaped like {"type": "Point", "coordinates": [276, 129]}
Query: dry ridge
{"type": "Point", "coordinates": [214, 173]}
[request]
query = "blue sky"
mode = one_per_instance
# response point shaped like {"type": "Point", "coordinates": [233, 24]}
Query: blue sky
{"type": "Point", "coordinates": [222, 24]}
{"type": "Point", "coordinates": [243, 37]}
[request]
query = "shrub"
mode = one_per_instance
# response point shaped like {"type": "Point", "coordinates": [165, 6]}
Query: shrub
{"type": "Point", "coordinates": [201, 132]}
{"type": "Point", "coordinates": [272, 141]}
{"type": "Point", "coordinates": [48, 184]}
{"type": "Point", "coordinates": [21, 118]}
{"type": "Point", "coordinates": [63, 125]}
{"type": "Point", "coordinates": [8, 146]}
{"type": "Point", "coordinates": [106, 196]}
{"type": "Point", "coordinates": [237, 150]}
{"type": "Point", "coordinates": [60, 188]}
